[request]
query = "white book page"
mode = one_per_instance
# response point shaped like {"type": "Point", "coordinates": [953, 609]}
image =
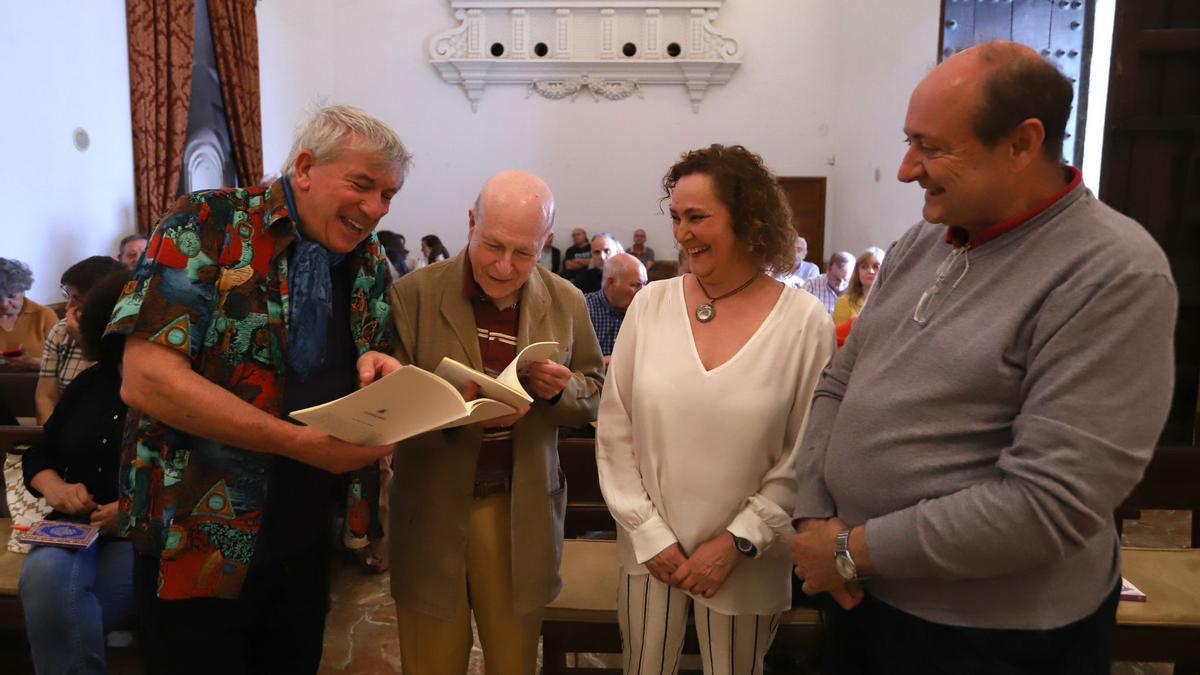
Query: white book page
{"type": "Point", "coordinates": [507, 387]}
{"type": "Point", "coordinates": [404, 404]}
{"type": "Point", "coordinates": [538, 351]}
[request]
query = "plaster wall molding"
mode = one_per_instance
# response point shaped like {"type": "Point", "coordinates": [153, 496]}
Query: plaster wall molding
{"type": "Point", "coordinates": [561, 48]}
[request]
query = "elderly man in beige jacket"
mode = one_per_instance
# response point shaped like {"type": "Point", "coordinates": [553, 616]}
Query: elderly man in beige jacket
{"type": "Point", "coordinates": [477, 513]}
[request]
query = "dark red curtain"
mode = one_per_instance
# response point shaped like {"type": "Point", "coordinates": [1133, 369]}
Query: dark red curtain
{"type": "Point", "coordinates": [235, 40]}
{"type": "Point", "coordinates": [161, 42]}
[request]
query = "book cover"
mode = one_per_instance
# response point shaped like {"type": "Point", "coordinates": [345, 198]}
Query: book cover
{"type": "Point", "coordinates": [60, 533]}
{"type": "Point", "coordinates": [1130, 592]}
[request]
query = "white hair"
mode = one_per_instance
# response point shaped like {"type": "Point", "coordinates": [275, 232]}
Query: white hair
{"type": "Point", "coordinates": [617, 247]}
{"type": "Point", "coordinates": [332, 129]}
{"type": "Point", "coordinates": [619, 262]}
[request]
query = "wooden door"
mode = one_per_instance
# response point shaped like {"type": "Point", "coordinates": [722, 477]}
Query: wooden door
{"type": "Point", "coordinates": [1059, 30]}
{"type": "Point", "coordinates": [806, 195]}
{"type": "Point", "coordinates": [1151, 165]}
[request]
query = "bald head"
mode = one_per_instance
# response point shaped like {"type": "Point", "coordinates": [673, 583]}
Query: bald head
{"type": "Point", "coordinates": [509, 224]}
{"type": "Point", "coordinates": [624, 276]}
{"type": "Point", "coordinates": [519, 194]}
{"type": "Point", "coordinates": [985, 132]}
{"type": "Point", "coordinates": [1001, 85]}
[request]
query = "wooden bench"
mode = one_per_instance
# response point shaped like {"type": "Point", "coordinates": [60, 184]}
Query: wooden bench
{"type": "Point", "coordinates": [1165, 628]}
{"type": "Point", "coordinates": [17, 392]}
{"type": "Point", "coordinates": [583, 618]}
{"type": "Point", "coordinates": [11, 616]}
{"type": "Point", "coordinates": [586, 510]}
{"type": "Point", "coordinates": [13, 440]}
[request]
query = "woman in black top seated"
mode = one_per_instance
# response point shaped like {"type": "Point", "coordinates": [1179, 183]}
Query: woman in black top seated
{"type": "Point", "coordinates": [73, 597]}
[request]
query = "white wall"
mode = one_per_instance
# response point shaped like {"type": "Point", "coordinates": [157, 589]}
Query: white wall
{"type": "Point", "coordinates": [604, 160]}
{"type": "Point", "coordinates": [64, 64]}
{"type": "Point", "coordinates": [296, 69]}
{"type": "Point", "coordinates": [1098, 80]}
{"type": "Point", "coordinates": [883, 49]}
{"type": "Point", "coordinates": [821, 78]}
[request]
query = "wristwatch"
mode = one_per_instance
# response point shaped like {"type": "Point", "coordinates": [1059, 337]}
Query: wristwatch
{"type": "Point", "coordinates": [744, 546]}
{"type": "Point", "coordinates": [841, 557]}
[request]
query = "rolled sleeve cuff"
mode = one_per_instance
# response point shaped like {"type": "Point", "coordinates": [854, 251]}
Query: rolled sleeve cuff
{"type": "Point", "coordinates": [650, 538]}
{"type": "Point", "coordinates": [813, 504]}
{"type": "Point", "coordinates": [761, 522]}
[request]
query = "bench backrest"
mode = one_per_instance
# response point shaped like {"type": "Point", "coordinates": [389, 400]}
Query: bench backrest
{"type": "Point", "coordinates": [586, 510]}
{"type": "Point", "coordinates": [15, 440]}
{"type": "Point", "coordinates": [16, 393]}
{"type": "Point", "coordinates": [1171, 481]}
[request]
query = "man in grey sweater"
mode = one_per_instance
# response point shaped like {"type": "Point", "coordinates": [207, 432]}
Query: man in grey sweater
{"type": "Point", "coordinates": [998, 398]}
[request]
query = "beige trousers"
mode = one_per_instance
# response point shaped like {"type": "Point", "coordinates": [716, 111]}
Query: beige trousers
{"type": "Point", "coordinates": [433, 646]}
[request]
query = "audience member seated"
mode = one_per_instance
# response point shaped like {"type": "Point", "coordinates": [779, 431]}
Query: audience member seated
{"type": "Point", "coordinates": [624, 276]}
{"type": "Point", "coordinates": [397, 255]}
{"type": "Point", "coordinates": [433, 249]}
{"type": "Point", "coordinates": [62, 358]}
{"type": "Point", "coordinates": [830, 286]}
{"type": "Point", "coordinates": [604, 246]}
{"type": "Point", "coordinates": [640, 250]}
{"type": "Point", "coordinates": [71, 598]}
{"type": "Point", "coordinates": [803, 270]}
{"type": "Point", "coordinates": [578, 255]}
{"type": "Point", "coordinates": [551, 257]}
{"type": "Point", "coordinates": [702, 409]}
{"type": "Point", "coordinates": [131, 249]}
{"type": "Point", "coordinates": [24, 324]}
{"type": "Point", "coordinates": [414, 261]}
{"type": "Point", "coordinates": [851, 303]}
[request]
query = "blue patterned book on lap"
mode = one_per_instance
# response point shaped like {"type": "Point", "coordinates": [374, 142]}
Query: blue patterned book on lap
{"type": "Point", "coordinates": [60, 533]}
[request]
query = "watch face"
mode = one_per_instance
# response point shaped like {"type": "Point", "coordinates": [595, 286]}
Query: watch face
{"type": "Point", "coordinates": [845, 568]}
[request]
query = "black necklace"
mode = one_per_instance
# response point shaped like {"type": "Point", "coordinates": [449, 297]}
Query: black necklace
{"type": "Point", "coordinates": [706, 312]}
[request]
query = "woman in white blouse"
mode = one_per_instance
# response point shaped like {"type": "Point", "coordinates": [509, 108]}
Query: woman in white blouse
{"type": "Point", "coordinates": [702, 413]}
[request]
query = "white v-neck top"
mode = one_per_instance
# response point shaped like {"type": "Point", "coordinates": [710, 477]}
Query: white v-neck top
{"type": "Point", "coordinates": [684, 453]}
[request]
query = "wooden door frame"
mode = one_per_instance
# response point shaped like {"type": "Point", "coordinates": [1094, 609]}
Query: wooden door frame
{"type": "Point", "coordinates": [817, 246]}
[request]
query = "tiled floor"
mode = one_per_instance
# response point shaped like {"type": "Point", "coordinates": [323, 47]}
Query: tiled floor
{"type": "Point", "coordinates": [360, 637]}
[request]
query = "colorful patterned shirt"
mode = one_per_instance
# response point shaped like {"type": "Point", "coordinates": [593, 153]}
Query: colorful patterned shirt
{"type": "Point", "coordinates": [213, 286]}
{"type": "Point", "coordinates": [62, 358]}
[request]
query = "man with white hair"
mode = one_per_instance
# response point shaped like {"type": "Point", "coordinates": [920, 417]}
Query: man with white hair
{"type": "Point", "coordinates": [829, 287]}
{"type": "Point", "coordinates": [604, 246]}
{"type": "Point", "coordinates": [251, 303]}
{"type": "Point", "coordinates": [624, 276]}
{"type": "Point", "coordinates": [804, 270]}
{"type": "Point", "coordinates": [477, 511]}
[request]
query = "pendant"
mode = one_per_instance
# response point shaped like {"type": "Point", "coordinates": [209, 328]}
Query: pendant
{"type": "Point", "coordinates": [705, 313]}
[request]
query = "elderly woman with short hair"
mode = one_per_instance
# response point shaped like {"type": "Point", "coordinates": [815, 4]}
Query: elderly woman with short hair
{"type": "Point", "coordinates": [24, 324]}
{"type": "Point", "coordinates": [703, 409]}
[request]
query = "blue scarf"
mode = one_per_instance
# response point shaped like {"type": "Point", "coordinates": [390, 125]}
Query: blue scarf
{"type": "Point", "coordinates": [310, 293]}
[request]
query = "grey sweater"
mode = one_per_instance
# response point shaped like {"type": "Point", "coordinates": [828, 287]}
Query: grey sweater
{"type": "Point", "coordinates": [987, 449]}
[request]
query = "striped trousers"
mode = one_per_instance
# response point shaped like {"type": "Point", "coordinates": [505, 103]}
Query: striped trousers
{"type": "Point", "coordinates": [653, 619]}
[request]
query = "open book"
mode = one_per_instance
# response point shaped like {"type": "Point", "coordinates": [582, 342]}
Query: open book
{"type": "Point", "coordinates": [412, 401]}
